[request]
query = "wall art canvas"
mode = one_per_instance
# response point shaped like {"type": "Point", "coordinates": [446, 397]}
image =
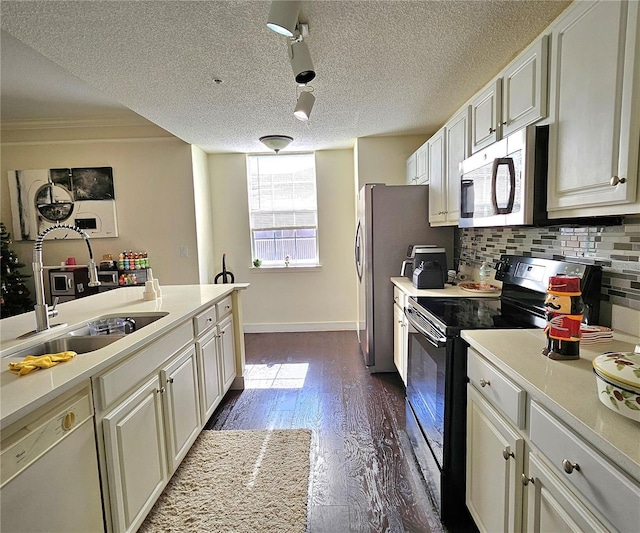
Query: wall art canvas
{"type": "Point", "coordinates": [84, 197]}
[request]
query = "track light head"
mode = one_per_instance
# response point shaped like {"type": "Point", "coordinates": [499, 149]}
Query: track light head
{"type": "Point", "coordinates": [283, 17]}
{"type": "Point", "coordinates": [301, 62]}
{"type": "Point", "coordinates": [304, 106]}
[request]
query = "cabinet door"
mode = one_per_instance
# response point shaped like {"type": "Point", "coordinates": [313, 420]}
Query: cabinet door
{"type": "Point", "coordinates": [495, 455]}
{"type": "Point", "coordinates": [135, 455]}
{"type": "Point", "coordinates": [551, 507]}
{"type": "Point", "coordinates": [458, 140]}
{"type": "Point", "coordinates": [595, 111]}
{"type": "Point", "coordinates": [400, 341]}
{"type": "Point", "coordinates": [437, 178]}
{"type": "Point", "coordinates": [485, 116]}
{"type": "Point", "coordinates": [208, 368]}
{"type": "Point", "coordinates": [182, 406]}
{"type": "Point", "coordinates": [422, 164]}
{"type": "Point", "coordinates": [227, 353]}
{"type": "Point", "coordinates": [411, 169]}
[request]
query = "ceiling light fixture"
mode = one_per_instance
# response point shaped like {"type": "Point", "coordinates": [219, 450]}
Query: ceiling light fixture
{"type": "Point", "coordinates": [304, 106]}
{"type": "Point", "coordinates": [276, 142]}
{"type": "Point", "coordinates": [301, 62]}
{"type": "Point", "coordinates": [283, 17]}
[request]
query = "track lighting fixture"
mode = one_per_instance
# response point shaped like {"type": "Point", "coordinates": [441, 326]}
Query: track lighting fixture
{"type": "Point", "coordinates": [304, 106]}
{"type": "Point", "coordinates": [301, 62]}
{"type": "Point", "coordinates": [276, 142]}
{"type": "Point", "coordinates": [283, 17]}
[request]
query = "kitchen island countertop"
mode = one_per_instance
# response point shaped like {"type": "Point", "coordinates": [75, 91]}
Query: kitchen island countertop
{"type": "Point", "coordinates": [565, 388]}
{"type": "Point", "coordinates": [20, 395]}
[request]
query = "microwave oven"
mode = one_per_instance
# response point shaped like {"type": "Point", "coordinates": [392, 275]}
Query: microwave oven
{"type": "Point", "coordinates": [505, 184]}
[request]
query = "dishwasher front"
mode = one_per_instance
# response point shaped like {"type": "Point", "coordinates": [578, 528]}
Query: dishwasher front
{"type": "Point", "coordinates": [49, 470]}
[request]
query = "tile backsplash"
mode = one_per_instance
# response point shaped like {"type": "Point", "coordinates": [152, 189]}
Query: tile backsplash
{"type": "Point", "coordinates": [616, 248]}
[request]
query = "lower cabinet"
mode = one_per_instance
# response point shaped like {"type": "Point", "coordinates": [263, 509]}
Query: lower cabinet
{"type": "Point", "coordinates": [227, 352]}
{"type": "Point", "coordinates": [210, 381]}
{"type": "Point", "coordinates": [495, 458]}
{"type": "Point", "coordinates": [134, 445]}
{"type": "Point", "coordinates": [540, 476]}
{"type": "Point", "coordinates": [400, 333]}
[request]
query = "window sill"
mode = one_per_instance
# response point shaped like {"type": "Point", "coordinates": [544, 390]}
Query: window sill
{"type": "Point", "coordinates": [279, 269]}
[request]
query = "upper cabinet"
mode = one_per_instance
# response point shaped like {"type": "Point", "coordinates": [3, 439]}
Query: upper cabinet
{"type": "Point", "coordinates": [595, 110]}
{"type": "Point", "coordinates": [486, 116]}
{"type": "Point", "coordinates": [437, 177]}
{"type": "Point", "coordinates": [457, 149]}
{"type": "Point", "coordinates": [516, 98]}
{"type": "Point", "coordinates": [524, 88]}
{"type": "Point", "coordinates": [411, 169]}
{"type": "Point", "coordinates": [417, 166]}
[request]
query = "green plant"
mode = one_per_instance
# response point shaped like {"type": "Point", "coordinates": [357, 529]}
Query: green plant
{"type": "Point", "coordinates": [257, 262]}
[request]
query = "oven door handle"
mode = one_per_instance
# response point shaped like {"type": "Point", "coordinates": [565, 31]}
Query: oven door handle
{"type": "Point", "coordinates": [438, 342]}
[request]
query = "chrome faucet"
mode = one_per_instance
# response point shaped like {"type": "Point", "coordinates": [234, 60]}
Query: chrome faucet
{"type": "Point", "coordinates": [43, 313]}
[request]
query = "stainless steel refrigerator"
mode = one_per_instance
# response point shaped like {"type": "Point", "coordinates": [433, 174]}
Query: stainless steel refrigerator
{"type": "Point", "coordinates": [390, 218]}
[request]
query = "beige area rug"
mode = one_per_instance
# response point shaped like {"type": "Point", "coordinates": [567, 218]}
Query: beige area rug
{"type": "Point", "coordinates": [238, 481]}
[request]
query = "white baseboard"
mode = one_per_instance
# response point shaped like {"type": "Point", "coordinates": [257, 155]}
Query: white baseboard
{"type": "Point", "coordinates": [299, 327]}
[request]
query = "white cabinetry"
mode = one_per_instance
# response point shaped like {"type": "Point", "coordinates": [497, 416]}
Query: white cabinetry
{"type": "Point", "coordinates": [595, 110]}
{"type": "Point", "coordinates": [495, 458]}
{"type": "Point", "coordinates": [534, 473]}
{"type": "Point", "coordinates": [135, 455]}
{"type": "Point", "coordinates": [422, 164]}
{"type": "Point", "coordinates": [516, 98]}
{"type": "Point", "coordinates": [524, 88]}
{"type": "Point", "coordinates": [216, 354]}
{"type": "Point", "coordinates": [411, 169]}
{"type": "Point", "coordinates": [400, 333]}
{"type": "Point", "coordinates": [437, 177]}
{"type": "Point", "coordinates": [485, 116]}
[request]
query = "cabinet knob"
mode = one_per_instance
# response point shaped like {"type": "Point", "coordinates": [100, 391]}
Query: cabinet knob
{"type": "Point", "coordinates": [170, 380]}
{"type": "Point", "coordinates": [161, 390]}
{"type": "Point", "coordinates": [492, 130]}
{"type": "Point", "coordinates": [484, 382]}
{"type": "Point", "coordinates": [506, 454]}
{"type": "Point", "coordinates": [569, 467]}
{"type": "Point", "coordinates": [526, 480]}
{"type": "Point", "coordinates": [209, 319]}
{"type": "Point", "coordinates": [615, 180]}
{"type": "Point", "coordinates": [504, 123]}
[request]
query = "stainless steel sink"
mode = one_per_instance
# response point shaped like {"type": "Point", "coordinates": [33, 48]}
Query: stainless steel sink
{"type": "Point", "coordinates": [80, 341]}
{"type": "Point", "coordinates": [69, 343]}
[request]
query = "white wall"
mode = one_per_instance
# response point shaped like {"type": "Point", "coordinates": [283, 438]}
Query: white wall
{"type": "Point", "coordinates": [154, 193]}
{"type": "Point", "coordinates": [204, 216]}
{"type": "Point", "coordinates": [290, 300]}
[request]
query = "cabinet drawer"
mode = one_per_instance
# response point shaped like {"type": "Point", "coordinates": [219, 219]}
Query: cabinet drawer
{"type": "Point", "coordinates": [497, 388]}
{"type": "Point", "coordinates": [120, 379]}
{"type": "Point", "coordinates": [224, 307]}
{"type": "Point", "coordinates": [609, 490]}
{"type": "Point", "coordinates": [399, 297]}
{"type": "Point", "coordinates": [205, 320]}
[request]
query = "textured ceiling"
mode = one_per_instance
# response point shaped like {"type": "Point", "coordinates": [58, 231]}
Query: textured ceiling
{"type": "Point", "coordinates": [383, 67]}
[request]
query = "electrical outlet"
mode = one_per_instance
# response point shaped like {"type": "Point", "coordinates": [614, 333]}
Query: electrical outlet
{"type": "Point", "coordinates": [184, 251]}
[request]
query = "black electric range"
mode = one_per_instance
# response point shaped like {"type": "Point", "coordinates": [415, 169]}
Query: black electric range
{"type": "Point", "coordinates": [437, 364]}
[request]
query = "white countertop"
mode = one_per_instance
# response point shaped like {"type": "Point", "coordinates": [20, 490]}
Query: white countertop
{"type": "Point", "coordinates": [20, 395]}
{"type": "Point", "coordinates": [449, 291]}
{"type": "Point", "coordinates": [566, 388]}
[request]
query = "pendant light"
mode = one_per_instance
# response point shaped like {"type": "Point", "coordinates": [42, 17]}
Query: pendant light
{"type": "Point", "coordinates": [276, 142]}
{"type": "Point", "coordinates": [301, 62]}
{"type": "Point", "coordinates": [283, 17]}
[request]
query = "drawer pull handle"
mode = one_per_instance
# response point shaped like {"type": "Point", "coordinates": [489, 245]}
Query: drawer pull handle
{"type": "Point", "coordinates": [526, 480]}
{"type": "Point", "coordinates": [506, 454]}
{"type": "Point", "coordinates": [484, 382]}
{"type": "Point", "coordinates": [569, 467]}
{"type": "Point", "coordinates": [170, 380]}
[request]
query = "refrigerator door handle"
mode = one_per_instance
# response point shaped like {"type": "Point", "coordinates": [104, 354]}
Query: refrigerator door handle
{"type": "Point", "coordinates": [358, 250]}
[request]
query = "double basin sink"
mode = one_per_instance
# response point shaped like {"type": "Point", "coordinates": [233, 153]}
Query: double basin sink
{"type": "Point", "coordinates": [83, 339]}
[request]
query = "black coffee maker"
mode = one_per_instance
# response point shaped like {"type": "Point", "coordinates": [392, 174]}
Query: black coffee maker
{"type": "Point", "coordinates": [430, 267]}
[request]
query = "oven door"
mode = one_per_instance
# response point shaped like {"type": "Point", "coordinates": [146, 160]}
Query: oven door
{"type": "Point", "coordinates": [426, 380]}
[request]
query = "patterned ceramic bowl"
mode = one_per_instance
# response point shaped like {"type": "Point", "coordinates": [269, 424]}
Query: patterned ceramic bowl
{"type": "Point", "coordinates": [618, 380]}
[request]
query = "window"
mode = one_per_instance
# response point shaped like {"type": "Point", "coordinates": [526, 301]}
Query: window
{"type": "Point", "coordinates": [283, 211]}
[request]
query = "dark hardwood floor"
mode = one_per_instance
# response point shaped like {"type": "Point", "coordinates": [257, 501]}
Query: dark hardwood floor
{"type": "Point", "coordinates": [363, 475]}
